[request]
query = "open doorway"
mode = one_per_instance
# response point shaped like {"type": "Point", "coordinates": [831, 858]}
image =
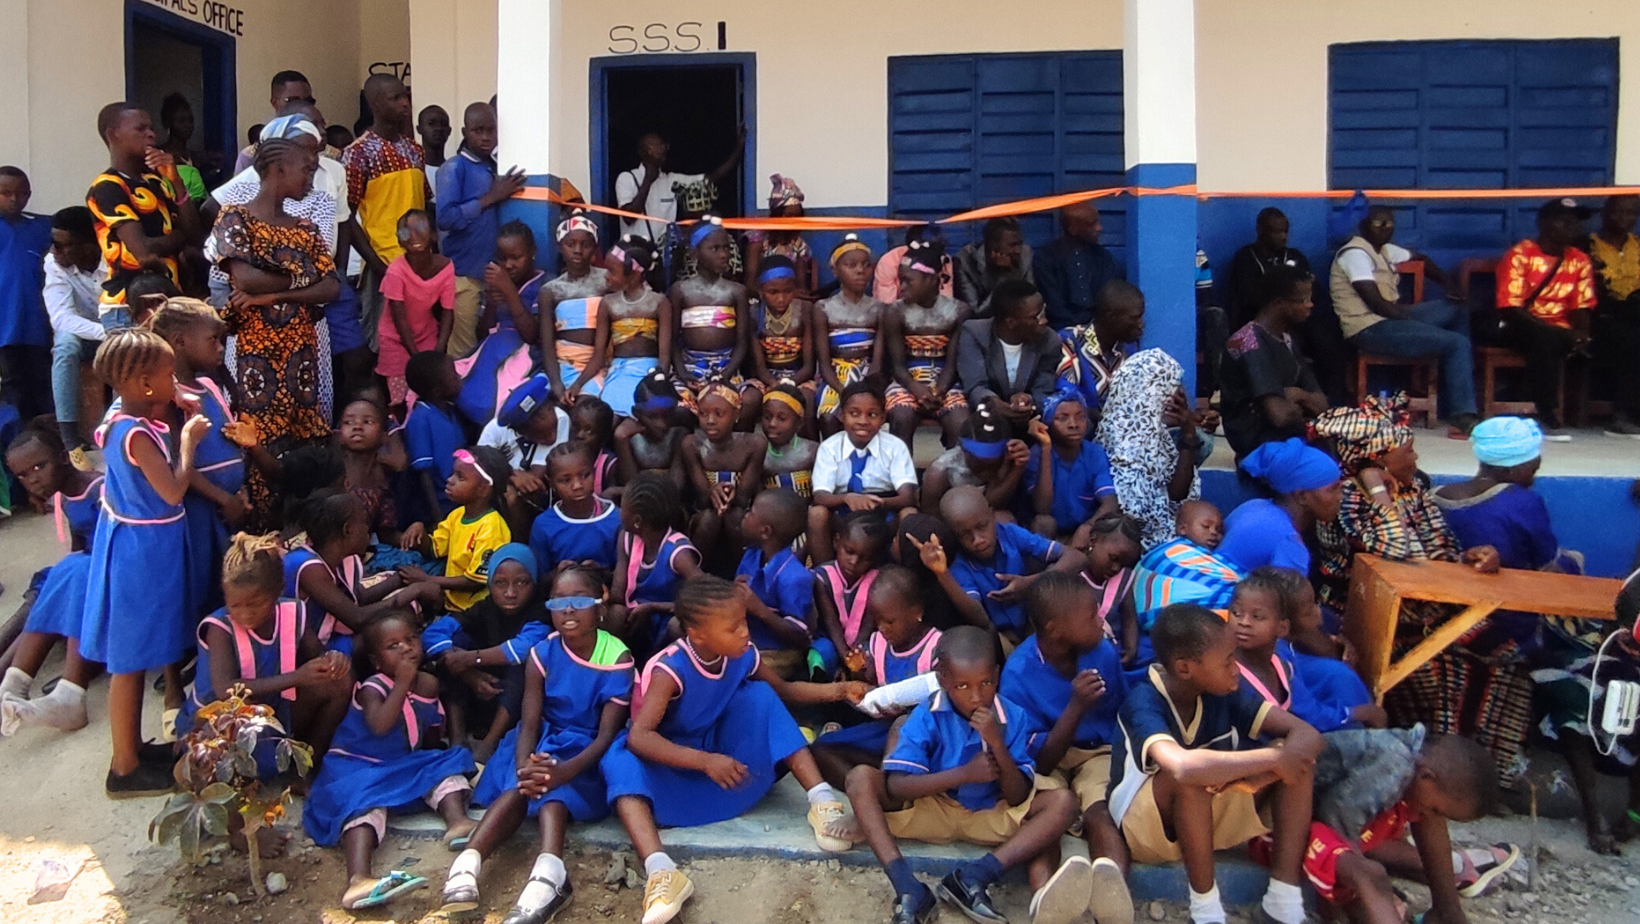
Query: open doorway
{"type": "Point", "coordinates": [167, 56]}
{"type": "Point", "coordinates": [696, 103]}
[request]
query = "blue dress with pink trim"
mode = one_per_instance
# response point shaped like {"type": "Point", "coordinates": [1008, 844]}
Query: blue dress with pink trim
{"type": "Point", "coordinates": [59, 608]}
{"type": "Point", "coordinates": [222, 463]}
{"type": "Point", "coordinates": [720, 710]}
{"type": "Point", "coordinates": [257, 657]}
{"type": "Point", "coordinates": [137, 593]}
{"type": "Point", "coordinates": [333, 633]}
{"type": "Point", "coordinates": [656, 582]}
{"type": "Point", "coordinates": [892, 667]}
{"type": "Point", "coordinates": [365, 771]}
{"type": "Point", "coordinates": [574, 696]}
{"type": "Point", "coordinates": [502, 362]}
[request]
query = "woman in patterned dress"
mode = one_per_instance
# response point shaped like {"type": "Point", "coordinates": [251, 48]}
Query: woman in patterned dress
{"type": "Point", "coordinates": [280, 272]}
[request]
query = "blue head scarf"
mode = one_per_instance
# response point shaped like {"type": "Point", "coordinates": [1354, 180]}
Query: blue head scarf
{"type": "Point", "coordinates": [514, 551]}
{"type": "Point", "coordinates": [1506, 441]}
{"type": "Point", "coordinates": [1291, 465]}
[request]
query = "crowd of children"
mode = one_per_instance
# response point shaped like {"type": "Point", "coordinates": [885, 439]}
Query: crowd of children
{"type": "Point", "coordinates": [642, 554]}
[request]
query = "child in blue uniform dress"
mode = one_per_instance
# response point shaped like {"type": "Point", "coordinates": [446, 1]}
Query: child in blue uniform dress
{"type": "Point", "coordinates": [580, 527]}
{"type": "Point", "coordinates": [708, 728]}
{"type": "Point", "coordinates": [432, 434]}
{"type": "Point", "coordinates": [1110, 543]}
{"type": "Point", "coordinates": [782, 586]}
{"type": "Point", "coordinates": [266, 642]}
{"type": "Point", "coordinates": [900, 647]}
{"type": "Point", "coordinates": [387, 756]}
{"type": "Point", "coordinates": [325, 570]}
{"type": "Point", "coordinates": [986, 581]}
{"type": "Point", "coordinates": [136, 616]}
{"type": "Point", "coordinates": [576, 702]}
{"type": "Point", "coordinates": [39, 460]}
{"type": "Point", "coordinates": [841, 588]}
{"type": "Point", "coordinates": [510, 324]}
{"type": "Point", "coordinates": [652, 560]}
{"type": "Point", "coordinates": [591, 421]}
{"type": "Point", "coordinates": [1068, 679]}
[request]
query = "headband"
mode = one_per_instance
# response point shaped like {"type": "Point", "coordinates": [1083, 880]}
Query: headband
{"type": "Point", "coordinates": [787, 400]}
{"type": "Point", "coordinates": [850, 242]}
{"type": "Point", "coordinates": [919, 265]}
{"type": "Point", "coordinates": [981, 450]}
{"type": "Point", "coordinates": [629, 260]}
{"type": "Point", "coordinates": [777, 272]}
{"type": "Point", "coordinates": [463, 455]}
{"type": "Point", "coordinates": [704, 230]}
{"type": "Point", "coordinates": [658, 403]}
{"type": "Point", "coordinates": [722, 391]}
{"type": "Point", "coordinates": [575, 223]}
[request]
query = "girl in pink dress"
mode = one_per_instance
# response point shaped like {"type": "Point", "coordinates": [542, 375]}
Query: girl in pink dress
{"type": "Point", "coordinates": [420, 290]}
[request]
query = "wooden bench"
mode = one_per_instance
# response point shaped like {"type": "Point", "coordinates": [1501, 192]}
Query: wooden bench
{"type": "Point", "coordinates": [1378, 586]}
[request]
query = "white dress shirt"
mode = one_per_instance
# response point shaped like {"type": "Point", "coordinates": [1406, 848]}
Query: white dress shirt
{"type": "Point", "coordinates": [71, 298]}
{"type": "Point", "coordinates": [887, 469]}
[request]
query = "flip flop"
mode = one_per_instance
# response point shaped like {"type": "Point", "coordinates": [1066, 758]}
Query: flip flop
{"type": "Point", "coordinates": [460, 843]}
{"type": "Point", "coordinates": [387, 888]}
{"type": "Point", "coordinates": [1488, 872]}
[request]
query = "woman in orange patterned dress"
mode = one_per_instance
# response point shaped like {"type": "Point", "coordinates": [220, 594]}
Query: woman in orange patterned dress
{"type": "Point", "coordinates": [280, 272]}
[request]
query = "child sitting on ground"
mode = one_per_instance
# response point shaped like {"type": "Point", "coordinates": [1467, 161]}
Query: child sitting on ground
{"type": "Point", "coordinates": [860, 468]}
{"type": "Point", "coordinates": [418, 297]}
{"type": "Point", "coordinates": [580, 527]}
{"type": "Point", "coordinates": [788, 461]}
{"type": "Point", "coordinates": [655, 443]}
{"type": "Point", "coordinates": [1111, 546]}
{"type": "Point", "coordinates": [387, 754]}
{"type": "Point", "coordinates": [1068, 679]}
{"type": "Point", "coordinates": [961, 770]}
{"type": "Point", "coordinates": [432, 432]}
{"type": "Point", "coordinates": [39, 460]}
{"type": "Point", "coordinates": [652, 560]}
{"type": "Point", "coordinates": [470, 534]}
{"type": "Point", "coordinates": [269, 644]}
{"type": "Point", "coordinates": [783, 349]}
{"type": "Point", "coordinates": [987, 457]}
{"type": "Point", "coordinates": [1188, 776]}
{"type": "Point", "coordinates": [592, 422]}
{"type": "Point", "coordinates": [899, 647]}
{"type": "Point", "coordinates": [706, 739]}
{"type": "Point", "coordinates": [782, 601]}
{"type": "Point", "coordinates": [986, 582]}
{"type": "Point", "coordinates": [324, 568]}
{"type": "Point", "coordinates": [1079, 486]}
{"type": "Point", "coordinates": [847, 329]}
{"type": "Point", "coordinates": [841, 589]}
{"type": "Point", "coordinates": [482, 652]}
{"type": "Point", "coordinates": [725, 468]}
{"type": "Point", "coordinates": [549, 765]}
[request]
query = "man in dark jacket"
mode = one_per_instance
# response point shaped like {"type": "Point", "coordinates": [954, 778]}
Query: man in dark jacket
{"type": "Point", "coordinates": [1009, 360]}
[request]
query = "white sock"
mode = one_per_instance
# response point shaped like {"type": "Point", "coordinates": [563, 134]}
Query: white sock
{"type": "Point", "coordinates": [68, 694]}
{"type": "Point", "coordinates": [1284, 902]}
{"type": "Point", "coordinates": [63, 710]}
{"type": "Point", "coordinates": [822, 792]}
{"type": "Point", "coordinates": [17, 682]}
{"type": "Point", "coordinates": [658, 862]}
{"type": "Point", "coordinates": [536, 893]}
{"type": "Point", "coordinates": [1205, 907]}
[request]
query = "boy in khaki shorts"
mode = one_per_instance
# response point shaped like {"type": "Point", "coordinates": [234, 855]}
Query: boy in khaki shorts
{"type": "Point", "coordinates": [960, 770]}
{"type": "Point", "coordinates": [1188, 775]}
{"type": "Point", "coordinates": [1068, 677]}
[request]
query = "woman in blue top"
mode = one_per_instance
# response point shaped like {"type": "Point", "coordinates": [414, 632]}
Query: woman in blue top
{"type": "Point", "coordinates": [1497, 507]}
{"type": "Point", "coordinates": [1308, 486]}
{"type": "Point", "coordinates": [577, 695]}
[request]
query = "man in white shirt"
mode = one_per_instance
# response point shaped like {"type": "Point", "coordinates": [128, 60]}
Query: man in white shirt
{"type": "Point", "coordinates": [1366, 294]}
{"type": "Point", "coordinates": [864, 467]}
{"type": "Point", "coordinates": [647, 189]}
{"type": "Point", "coordinates": [75, 272]}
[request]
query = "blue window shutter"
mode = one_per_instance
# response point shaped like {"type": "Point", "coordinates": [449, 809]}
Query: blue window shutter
{"type": "Point", "coordinates": [974, 130]}
{"type": "Point", "coordinates": [1471, 114]}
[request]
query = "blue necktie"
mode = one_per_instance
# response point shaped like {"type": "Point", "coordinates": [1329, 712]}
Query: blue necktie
{"type": "Point", "coordinates": [857, 467]}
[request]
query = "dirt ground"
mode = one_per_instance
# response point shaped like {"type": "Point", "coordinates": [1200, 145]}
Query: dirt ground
{"type": "Point", "coordinates": [52, 809]}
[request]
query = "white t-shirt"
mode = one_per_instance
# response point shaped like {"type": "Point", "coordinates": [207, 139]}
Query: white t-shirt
{"type": "Point", "coordinates": [522, 454]}
{"type": "Point", "coordinates": [432, 179]}
{"type": "Point", "coordinates": [1358, 265]}
{"type": "Point", "coordinates": [887, 468]}
{"type": "Point", "coordinates": [1010, 357]}
{"type": "Point", "coordinates": [661, 205]}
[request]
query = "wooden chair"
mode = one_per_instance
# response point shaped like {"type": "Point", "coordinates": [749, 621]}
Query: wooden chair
{"type": "Point", "coordinates": [1426, 370]}
{"type": "Point", "coordinates": [1377, 587]}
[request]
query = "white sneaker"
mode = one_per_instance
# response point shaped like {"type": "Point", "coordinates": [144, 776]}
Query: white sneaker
{"type": "Point", "coordinates": [1111, 902]}
{"type": "Point", "coordinates": [1064, 897]}
{"type": "Point", "coordinates": [1557, 435]}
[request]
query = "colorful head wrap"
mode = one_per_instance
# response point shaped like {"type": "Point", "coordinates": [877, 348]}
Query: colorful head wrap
{"type": "Point", "coordinates": [1506, 441]}
{"type": "Point", "coordinates": [290, 127]}
{"type": "Point", "coordinates": [850, 241]}
{"type": "Point", "coordinates": [784, 193]}
{"type": "Point", "coordinates": [635, 253]}
{"type": "Point", "coordinates": [577, 221]}
{"type": "Point", "coordinates": [776, 266]}
{"type": "Point", "coordinates": [787, 395]}
{"type": "Point", "coordinates": [721, 390]}
{"type": "Point", "coordinates": [1051, 403]}
{"type": "Point", "coordinates": [704, 229]}
{"type": "Point", "coordinates": [518, 552]}
{"type": "Point", "coordinates": [1291, 465]}
{"type": "Point", "coordinates": [1363, 434]}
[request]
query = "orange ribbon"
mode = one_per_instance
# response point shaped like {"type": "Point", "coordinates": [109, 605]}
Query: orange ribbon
{"type": "Point", "coordinates": [1052, 203]}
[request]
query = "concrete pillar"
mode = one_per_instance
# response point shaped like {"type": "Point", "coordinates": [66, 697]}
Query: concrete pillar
{"type": "Point", "coordinates": [527, 40]}
{"type": "Point", "coordinates": [1159, 111]}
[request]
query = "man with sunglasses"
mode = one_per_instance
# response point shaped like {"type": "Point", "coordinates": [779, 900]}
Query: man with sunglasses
{"type": "Point", "coordinates": [289, 87]}
{"type": "Point", "coordinates": [1366, 290]}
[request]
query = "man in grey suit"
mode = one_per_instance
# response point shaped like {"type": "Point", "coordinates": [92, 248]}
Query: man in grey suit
{"type": "Point", "coordinates": [1009, 360]}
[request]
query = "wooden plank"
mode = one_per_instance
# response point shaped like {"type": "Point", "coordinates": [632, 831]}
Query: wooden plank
{"type": "Point", "coordinates": [1526, 591]}
{"type": "Point", "coordinates": [1369, 622]}
{"type": "Point", "coordinates": [1435, 643]}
